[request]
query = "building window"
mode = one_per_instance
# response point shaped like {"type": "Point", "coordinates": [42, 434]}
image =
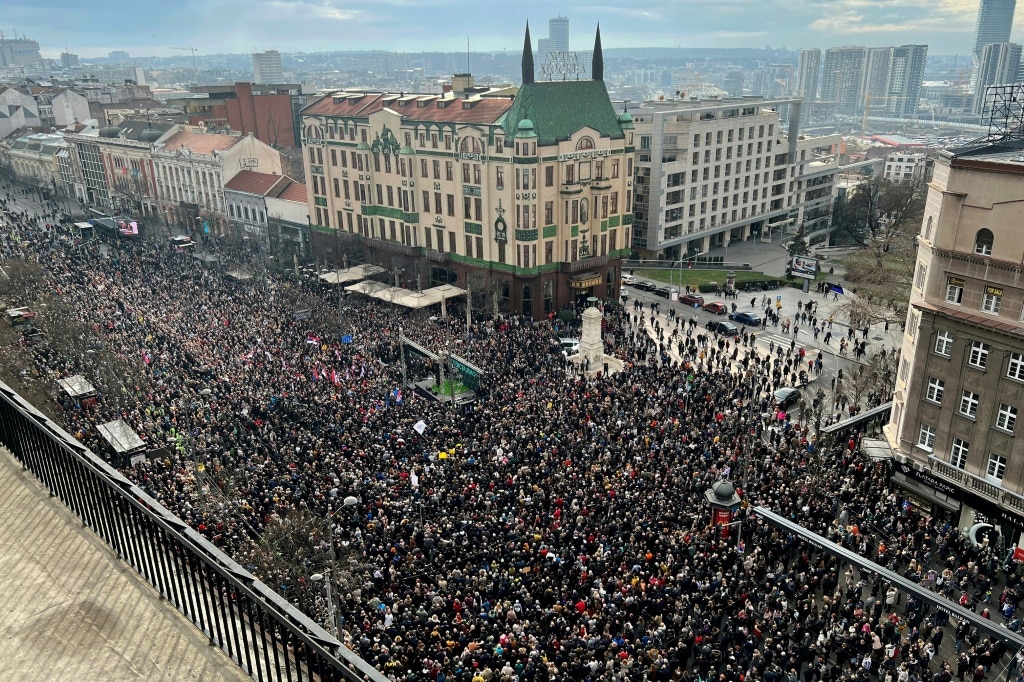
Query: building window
{"type": "Point", "coordinates": [926, 438]}
{"type": "Point", "coordinates": [922, 273]}
{"type": "Point", "coordinates": [954, 290]}
{"type": "Point", "coordinates": [992, 301]}
{"type": "Point", "coordinates": [936, 387]}
{"type": "Point", "coordinates": [958, 453]}
{"type": "Point", "coordinates": [979, 355]}
{"type": "Point", "coordinates": [1007, 418]}
{"type": "Point", "coordinates": [996, 468]}
{"type": "Point", "coordinates": [969, 404]}
{"type": "Point", "coordinates": [983, 242]}
{"type": "Point", "coordinates": [944, 343]}
{"type": "Point", "coordinates": [1015, 367]}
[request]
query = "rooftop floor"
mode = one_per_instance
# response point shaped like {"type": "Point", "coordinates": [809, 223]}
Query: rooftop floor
{"type": "Point", "coordinates": [71, 610]}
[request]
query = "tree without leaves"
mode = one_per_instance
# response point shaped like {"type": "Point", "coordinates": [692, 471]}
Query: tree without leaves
{"type": "Point", "coordinates": [884, 218]}
{"type": "Point", "coordinates": [877, 212]}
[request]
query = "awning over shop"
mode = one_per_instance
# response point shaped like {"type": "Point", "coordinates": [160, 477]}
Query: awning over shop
{"type": "Point", "coordinates": [352, 274]}
{"type": "Point", "coordinates": [585, 280]}
{"type": "Point", "coordinates": [882, 411]}
{"type": "Point", "coordinates": [876, 449]}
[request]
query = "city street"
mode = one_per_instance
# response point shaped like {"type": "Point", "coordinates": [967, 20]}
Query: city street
{"type": "Point", "coordinates": [771, 259]}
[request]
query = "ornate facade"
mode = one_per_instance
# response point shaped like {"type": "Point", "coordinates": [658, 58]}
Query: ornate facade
{"type": "Point", "coordinates": [524, 199]}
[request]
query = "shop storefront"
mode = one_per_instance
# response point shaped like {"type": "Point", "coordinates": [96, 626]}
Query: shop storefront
{"type": "Point", "coordinates": [962, 507]}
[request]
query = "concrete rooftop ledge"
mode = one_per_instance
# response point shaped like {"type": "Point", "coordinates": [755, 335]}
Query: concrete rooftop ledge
{"type": "Point", "coordinates": [70, 610]}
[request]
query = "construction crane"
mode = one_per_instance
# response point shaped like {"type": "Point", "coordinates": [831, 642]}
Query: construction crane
{"type": "Point", "coordinates": [195, 69]}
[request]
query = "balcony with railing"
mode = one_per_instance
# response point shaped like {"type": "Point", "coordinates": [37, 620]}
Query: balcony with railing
{"type": "Point", "coordinates": [975, 484]}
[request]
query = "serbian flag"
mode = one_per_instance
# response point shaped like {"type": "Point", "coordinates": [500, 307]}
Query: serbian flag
{"type": "Point", "coordinates": [334, 377]}
{"type": "Point", "coordinates": [146, 357]}
{"type": "Point", "coordinates": [316, 375]}
{"type": "Point", "coordinates": [315, 340]}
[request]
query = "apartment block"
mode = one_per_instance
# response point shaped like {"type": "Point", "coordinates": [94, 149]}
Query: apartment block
{"type": "Point", "coordinates": [717, 171]}
{"type": "Point", "coordinates": [960, 381]}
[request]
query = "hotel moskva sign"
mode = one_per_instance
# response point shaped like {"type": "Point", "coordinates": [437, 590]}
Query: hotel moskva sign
{"type": "Point", "coordinates": [562, 64]}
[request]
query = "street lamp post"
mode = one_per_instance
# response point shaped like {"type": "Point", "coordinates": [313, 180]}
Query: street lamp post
{"type": "Point", "coordinates": [330, 573]}
{"type": "Point", "coordinates": [331, 608]}
{"type": "Point", "coordinates": [684, 260]}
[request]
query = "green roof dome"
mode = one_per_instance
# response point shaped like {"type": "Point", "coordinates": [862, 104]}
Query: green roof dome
{"type": "Point", "coordinates": [525, 129]}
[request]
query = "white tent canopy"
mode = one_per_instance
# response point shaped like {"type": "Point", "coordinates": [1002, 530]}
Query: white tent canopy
{"type": "Point", "coordinates": [77, 386]}
{"type": "Point", "coordinates": [121, 437]}
{"type": "Point", "coordinates": [368, 287]}
{"type": "Point", "coordinates": [352, 274]}
{"type": "Point", "coordinates": [406, 297]}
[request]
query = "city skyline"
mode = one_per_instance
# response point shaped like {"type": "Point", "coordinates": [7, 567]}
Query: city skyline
{"type": "Point", "coordinates": [947, 26]}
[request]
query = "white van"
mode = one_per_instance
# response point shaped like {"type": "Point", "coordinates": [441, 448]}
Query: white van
{"type": "Point", "coordinates": [629, 279]}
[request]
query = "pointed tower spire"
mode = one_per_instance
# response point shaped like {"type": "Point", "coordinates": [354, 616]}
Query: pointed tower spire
{"type": "Point", "coordinates": [527, 57]}
{"type": "Point", "coordinates": [597, 66]}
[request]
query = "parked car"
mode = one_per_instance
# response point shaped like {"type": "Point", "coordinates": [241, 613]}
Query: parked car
{"type": "Point", "coordinates": [786, 397]}
{"type": "Point", "coordinates": [716, 307]}
{"type": "Point", "coordinates": [629, 279]}
{"type": "Point", "coordinates": [569, 346]}
{"type": "Point", "coordinates": [724, 328]}
{"type": "Point", "coordinates": [661, 291]}
{"type": "Point", "coordinates": [644, 286]}
{"type": "Point", "coordinates": [753, 319]}
{"type": "Point", "coordinates": [690, 299]}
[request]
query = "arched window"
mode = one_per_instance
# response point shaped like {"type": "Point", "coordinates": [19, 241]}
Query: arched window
{"type": "Point", "coordinates": [928, 229]}
{"type": "Point", "coordinates": [585, 143]}
{"type": "Point", "coordinates": [470, 145]}
{"type": "Point", "coordinates": [983, 242]}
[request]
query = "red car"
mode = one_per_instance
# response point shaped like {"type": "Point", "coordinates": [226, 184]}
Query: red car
{"type": "Point", "coordinates": [716, 308]}
{"type": "Point", "coordinates": [690, 299]}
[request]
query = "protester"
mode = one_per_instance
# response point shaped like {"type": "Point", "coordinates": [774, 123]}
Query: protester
{"type": "Point", "coordinates": [555, 530]}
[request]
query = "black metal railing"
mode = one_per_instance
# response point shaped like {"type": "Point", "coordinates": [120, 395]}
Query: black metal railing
{"type": "Point", "coordinates": [265, 635]}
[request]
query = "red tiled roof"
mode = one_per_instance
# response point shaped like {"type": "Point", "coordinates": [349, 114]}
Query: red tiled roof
{"type": "Point", "coordinates": [482, 110]}
{"type": "Point", "coordinates": [252, 182]}
{"type": "Point", "coordinates": [201, 143]}
{"type": "Point", "coordinates": [294, 192]}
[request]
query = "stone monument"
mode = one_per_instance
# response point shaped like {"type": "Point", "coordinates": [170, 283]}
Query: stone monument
{"type": "Point", "coordinates": [592, 346]}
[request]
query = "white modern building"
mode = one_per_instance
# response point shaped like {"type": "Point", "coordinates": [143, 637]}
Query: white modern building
{"type": "Point", "coordinates": [903, 167]}
{"type": "Point", "coordinates": [267, 67]}
{"type": "Point", "coordinates": [717, 171]}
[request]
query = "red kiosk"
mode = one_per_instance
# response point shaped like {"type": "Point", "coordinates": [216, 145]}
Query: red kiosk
{"type": "Point", "coordinates": [723, 499]}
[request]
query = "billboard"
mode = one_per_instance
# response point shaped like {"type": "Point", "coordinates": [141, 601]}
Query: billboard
{"type": "Point", "coordinates": [804, 267]}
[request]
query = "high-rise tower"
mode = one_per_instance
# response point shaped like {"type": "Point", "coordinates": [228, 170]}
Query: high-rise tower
{"type": "Point", "coordinates": [995, 17]}
{"type": "Point", "coordinates": [807, 80]}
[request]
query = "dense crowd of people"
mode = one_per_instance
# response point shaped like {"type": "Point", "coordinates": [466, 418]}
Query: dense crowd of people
{"type": "Point", "coordinates": [554, 529]}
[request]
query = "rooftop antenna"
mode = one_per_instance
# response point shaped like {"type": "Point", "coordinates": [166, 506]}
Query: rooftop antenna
{"type": "Point", "coordinates": [468, 70]}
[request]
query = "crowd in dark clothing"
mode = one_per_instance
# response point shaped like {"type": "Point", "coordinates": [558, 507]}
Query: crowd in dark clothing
{"type": "Point", "coordinates": [557, 529]}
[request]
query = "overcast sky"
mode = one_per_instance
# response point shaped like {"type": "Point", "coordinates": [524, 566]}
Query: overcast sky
{"type": "Point", "coordinates": [150, 27]}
